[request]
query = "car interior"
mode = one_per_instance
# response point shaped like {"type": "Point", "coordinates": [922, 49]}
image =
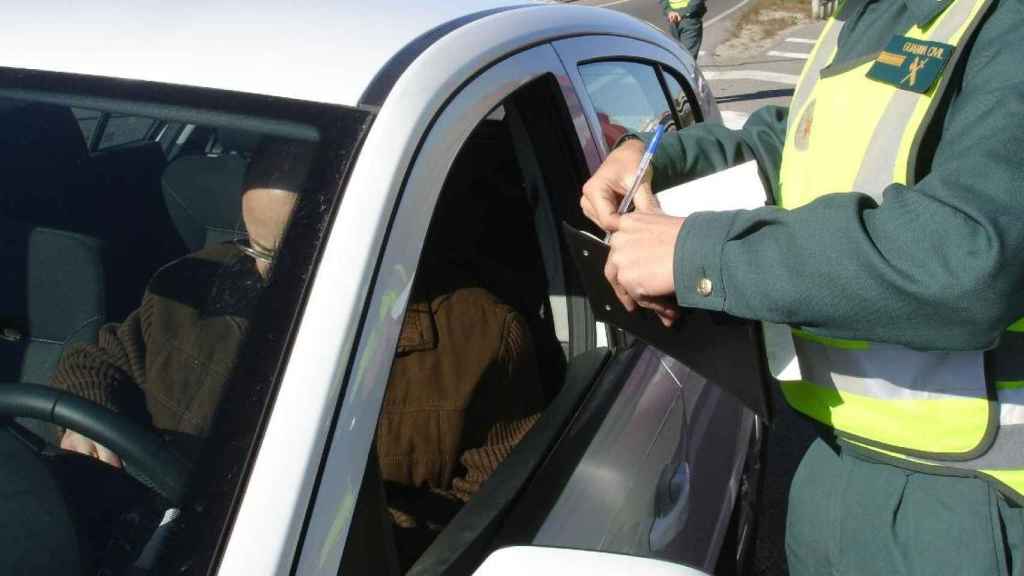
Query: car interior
{"type": "Point", "coordinates": [94, 202]}
{"type": "Point", "coordinates": [92, 205]}
{"type": "Point", "coordinates": [512, 160]}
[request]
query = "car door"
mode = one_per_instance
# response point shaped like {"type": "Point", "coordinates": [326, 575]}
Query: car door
{"type": "Point", "coordinates": [666, 454]}
{"type": "Point", "coordinates": [343, 528]}
{"type": "Point", "coordinates": [605, 403]}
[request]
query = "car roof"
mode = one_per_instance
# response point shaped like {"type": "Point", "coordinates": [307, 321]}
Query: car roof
{"type": "Point", "coordinates": [324, 50]}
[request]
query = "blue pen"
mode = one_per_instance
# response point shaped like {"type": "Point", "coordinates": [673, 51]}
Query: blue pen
{"type": "Point", "coordinates": [645, 163]}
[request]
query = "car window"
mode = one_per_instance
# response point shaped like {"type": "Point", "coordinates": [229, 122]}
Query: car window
{"type": "Point", "coordinates": [627, 97]}
{"type": "Point", "coordinates": [479, 356]}
{"type": "Point", "coordinates": [143, 288]}
{"type": "Point", "coordinates": [686, 113]}
{"type": "Point", "coordinates": [102, 130]}
{"type": "Point", "coordinates": [88, 120]}
{"type": "Point", "coordinates": [123, 129]}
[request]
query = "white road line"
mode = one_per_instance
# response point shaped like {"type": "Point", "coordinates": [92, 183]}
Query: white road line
{"type": "Point", "coordinates": [795, 55]}
{"type": "Point", "coordinates": [706, 23]}
{"type": "Point", "coordinates": [734, 120]}
{"type": "Point", "coordinates": [726, 13]}
{"type": "Point", "coordinates": [777, 77]}
{"type": "Point", "coordinates": [801, 40]}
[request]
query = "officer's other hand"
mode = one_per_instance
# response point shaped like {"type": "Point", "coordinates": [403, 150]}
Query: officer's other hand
{"type": "Point", "coordinates": [674, 17]}
{"type": "Point", "coordinates": [639, 266]}
{"type": "Point", "coordinates": [606, 188]}
{"type": "Point", "coordinates": [75, 442]}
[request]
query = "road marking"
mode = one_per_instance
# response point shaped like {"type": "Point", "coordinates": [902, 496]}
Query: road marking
{"type": "Point", "coordinates": [801, 40]}
{"type": "Point", "coordinates": [706, 24]}
{"type": "Point", "coordinates": [726, 13]}
{"type": "Point", "coordinates": [794, 55]}
{"type": "Point", "coordinates": [734, 120]}
{"type": "Point", "coordinates": [777, 77]}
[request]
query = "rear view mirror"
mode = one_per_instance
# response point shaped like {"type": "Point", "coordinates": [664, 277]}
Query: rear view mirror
{"type": "Point", "coordinates": [519, 560]}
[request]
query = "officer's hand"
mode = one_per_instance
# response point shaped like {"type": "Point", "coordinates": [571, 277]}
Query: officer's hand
{"type": "Point", "coordinates": [674, 17]}
{"type": "Point", "coordinates": [75, 442]}
{"type": "Point", "coordinates": [639, 266]}
{"type": "Point", "coordinates": [605, 189]}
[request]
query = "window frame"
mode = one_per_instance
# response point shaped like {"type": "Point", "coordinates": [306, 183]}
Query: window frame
{"type": "Point", "coordinates": [576, 52]}
{"type": "Point", "coordinates": [323, 541]}
{"type": "Point", "coordinates": [583, 50]}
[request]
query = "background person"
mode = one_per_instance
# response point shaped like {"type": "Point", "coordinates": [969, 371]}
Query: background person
{"type": "Point", "coordinates": [686, 21]}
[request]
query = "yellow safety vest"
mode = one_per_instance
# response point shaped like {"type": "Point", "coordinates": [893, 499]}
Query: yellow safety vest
{"type": "Point", "coordinates": [678, 4]}
{"type": "Point", "coordinates": [941, 411]}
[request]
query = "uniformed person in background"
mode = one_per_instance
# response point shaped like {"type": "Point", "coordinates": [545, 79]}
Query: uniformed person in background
{"type": "Point", "coordinates": [895, 254]}
{"type": "Point", "coordinates": [686, 21]}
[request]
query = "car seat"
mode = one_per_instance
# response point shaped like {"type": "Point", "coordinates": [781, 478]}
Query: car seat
{"type": "Point", "coordinates": [52, 295]}
{"type": "Point", "coordinates": [42, 153]}
{"type": "Point", "coordinates": [202, 192]}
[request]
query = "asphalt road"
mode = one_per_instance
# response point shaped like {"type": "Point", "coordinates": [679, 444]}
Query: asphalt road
{"type": "Point", "coordinates": [742, 84]}
{"type": "Point", "coordinates": [716, 22]}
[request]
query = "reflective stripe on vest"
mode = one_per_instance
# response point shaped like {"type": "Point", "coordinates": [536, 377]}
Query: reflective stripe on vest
{"type": "Point", "coordinates": [678, 4]}
{"type": "Point", "coordinates": [935, 409]}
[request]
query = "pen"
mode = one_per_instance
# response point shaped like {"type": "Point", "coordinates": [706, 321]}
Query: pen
{"type": "Point", "coordinates": [645, 163]}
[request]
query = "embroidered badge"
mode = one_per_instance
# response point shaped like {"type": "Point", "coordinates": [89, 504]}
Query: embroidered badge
{"type": "Point", "coordinates": [910, 64]}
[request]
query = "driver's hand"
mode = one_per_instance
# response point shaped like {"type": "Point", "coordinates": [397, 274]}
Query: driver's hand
{"type": "Point", "coordinates": [75, 442]}
{"type": "Point", "coordinates": [605, 189]}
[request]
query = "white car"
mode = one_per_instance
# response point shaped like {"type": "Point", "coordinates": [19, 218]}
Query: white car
{"type": "Point", "coordinates": [126, 130]}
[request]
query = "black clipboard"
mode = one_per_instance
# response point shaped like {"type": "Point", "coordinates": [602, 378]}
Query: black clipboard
{"type": "Point", "coordinates": [725, 350]}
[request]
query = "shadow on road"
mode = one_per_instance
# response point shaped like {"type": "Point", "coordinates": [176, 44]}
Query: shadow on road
{"type": "Point", "coordinates": [759, 95]}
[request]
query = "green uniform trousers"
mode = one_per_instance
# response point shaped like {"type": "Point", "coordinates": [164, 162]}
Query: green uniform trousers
{"type": "Point", "coordinates": [851, 516]}
{"type": "Point", "coordinates": [690, 32]}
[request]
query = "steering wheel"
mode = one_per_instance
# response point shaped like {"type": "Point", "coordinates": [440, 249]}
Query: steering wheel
{"type": "Point", "coordinates": [150, 459]}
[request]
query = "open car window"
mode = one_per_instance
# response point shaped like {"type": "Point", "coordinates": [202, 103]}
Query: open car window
{"type": "Point", "coordinates": [480, 358]}
{"type": "Point", "coordinates": [158, 296]}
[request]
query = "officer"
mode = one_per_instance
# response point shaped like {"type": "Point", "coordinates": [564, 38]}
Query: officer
{"type": "Point", "coordinates": [686, 20]}
{"type": "Point", "coordinates": [894, 253]}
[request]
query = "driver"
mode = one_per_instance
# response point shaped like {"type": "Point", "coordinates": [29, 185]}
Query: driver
{"type": "Point", "coordinates": [464, 387]}
{"type": "Point", "coordinates": [180, 345]}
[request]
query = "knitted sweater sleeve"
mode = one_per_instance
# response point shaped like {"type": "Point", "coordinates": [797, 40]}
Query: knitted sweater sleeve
{"type": "Point", "coordinates": [520, 408]}
{"type": "Point", "coordinates": [111, 371]}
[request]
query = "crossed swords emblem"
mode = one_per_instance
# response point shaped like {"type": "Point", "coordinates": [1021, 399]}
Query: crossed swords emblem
{"type": "Point", "coordinates": [915, 67]}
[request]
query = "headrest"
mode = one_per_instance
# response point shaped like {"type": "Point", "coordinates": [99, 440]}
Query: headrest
{"type": "Point", "coordinates": [40, 134]}
{"type": "Point", "coordinates": [202, 197]}
{"type": "Point", "coordinates": [233, 141]}
{"type": "Point", "coordinates": [281, 164]}
{"type": "Point", "coordinates": [52, 281]}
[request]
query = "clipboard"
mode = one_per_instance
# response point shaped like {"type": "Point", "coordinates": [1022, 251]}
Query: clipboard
{"type": "Point", "coordinates": [725, 350]}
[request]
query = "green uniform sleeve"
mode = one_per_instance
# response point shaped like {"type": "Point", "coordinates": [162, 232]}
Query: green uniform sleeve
{"type": "Point", "coordinates": [706, 148]}
{"type": "Point", "coordinates": [936, 266]}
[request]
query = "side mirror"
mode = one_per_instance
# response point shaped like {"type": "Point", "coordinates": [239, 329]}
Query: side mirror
{"type": "Point", "coordinates": [519, 560]}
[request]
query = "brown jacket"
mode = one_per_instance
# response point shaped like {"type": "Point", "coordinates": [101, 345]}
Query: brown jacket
{"type": "Point", "coordinates": [464, 373]}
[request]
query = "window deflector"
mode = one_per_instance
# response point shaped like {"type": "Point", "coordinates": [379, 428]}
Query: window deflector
{"type": "Point", "coordinates": [577, 51]}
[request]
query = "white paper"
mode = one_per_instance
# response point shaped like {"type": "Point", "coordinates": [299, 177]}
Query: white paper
{"type": "Point", "coordinates": [735, 188]}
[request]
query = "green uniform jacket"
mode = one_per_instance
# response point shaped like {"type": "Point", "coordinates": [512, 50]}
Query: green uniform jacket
{"type": "Point", "coordinates": [696, 8]}
{"type": "Point", "coordinates": [938, 265]}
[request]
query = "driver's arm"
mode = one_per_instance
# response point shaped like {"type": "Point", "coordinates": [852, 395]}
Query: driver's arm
{"type": "Point", "coordinates": [108, 373]}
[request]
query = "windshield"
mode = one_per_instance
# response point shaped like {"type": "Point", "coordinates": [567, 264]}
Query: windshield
{"type": "Point", "coordinates": [155, 243]}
